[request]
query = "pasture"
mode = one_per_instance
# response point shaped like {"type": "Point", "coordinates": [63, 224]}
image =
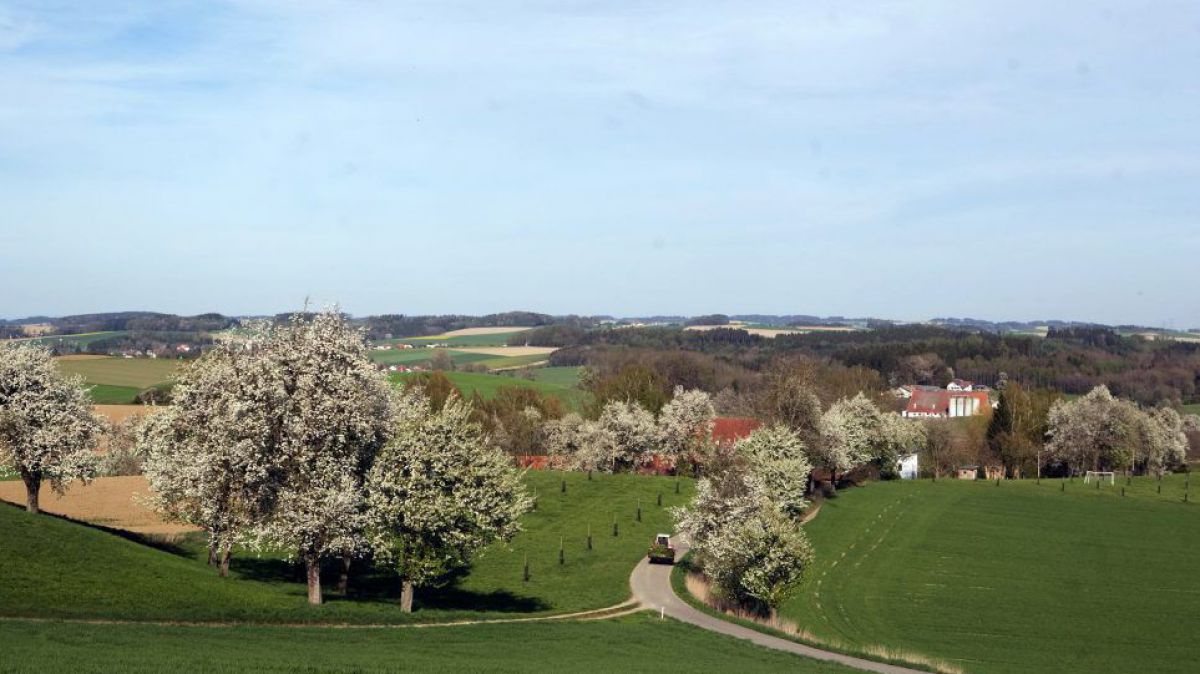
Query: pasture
{"type": "Point", "coordinates": [423, 356]}
{"type": "Point", "coordinates": [64, 569]}
{"type": "Point", "coordinates": [1018, 577]}
{"type": "Point", "coordinates": [636, 643]}
{"type": "Point", "coordinates": [489, 385]}
{"type": "Point", "coordinates": [139, 373]}
{"type": "Point", "coordinates": [479, 337]}
{"type": "Point", "coordinates": [82, 339]}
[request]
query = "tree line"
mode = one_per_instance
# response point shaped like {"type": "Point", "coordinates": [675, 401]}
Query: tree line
{"type": "Point", "coordinates": [286, 439]}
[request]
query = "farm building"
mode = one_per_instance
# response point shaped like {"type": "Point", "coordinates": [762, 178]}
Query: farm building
{"type": "Point", "coordinates": [908, 466]}
{"type": "Point", "coordinates": [940, 404]}
{"type": "Point", "coordinates": [728, 430]}
{"type": "Point", "coordinates": [959, 385]}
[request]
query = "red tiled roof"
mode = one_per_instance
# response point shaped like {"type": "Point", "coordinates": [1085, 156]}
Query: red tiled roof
{"type": "Point", "coordinates": [728, 430]}
{"type": "Point", "coordinates": [938, 402]}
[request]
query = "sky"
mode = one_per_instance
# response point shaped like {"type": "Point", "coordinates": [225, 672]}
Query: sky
{"type": "Point", "coordinates": [907, 159]}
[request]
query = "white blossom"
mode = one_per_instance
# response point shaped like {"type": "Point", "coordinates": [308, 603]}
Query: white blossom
{"type": "Point", "coordinates": [438, 493]}
{"type": "Point", "coordinates": [628, 435]}
{"type": "Point", "coordinates": [777, 455]}
{"type": "Point", "coordinates": [686, 425]}
{"type": "Point", "coordinates": [47, 427]}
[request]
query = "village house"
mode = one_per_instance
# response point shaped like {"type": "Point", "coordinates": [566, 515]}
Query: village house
{"type": "Point", "coordinates": [932, 404]}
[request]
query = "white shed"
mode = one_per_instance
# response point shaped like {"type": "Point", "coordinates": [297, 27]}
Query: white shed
{"type": "Point", "coordinates": [908, 467]}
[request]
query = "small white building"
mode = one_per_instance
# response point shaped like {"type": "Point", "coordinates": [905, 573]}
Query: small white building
{"type": "Point", "coordinates": [908, 466]}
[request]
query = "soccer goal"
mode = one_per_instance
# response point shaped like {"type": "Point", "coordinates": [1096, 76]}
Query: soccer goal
{"type": "Point", "coordinates": [1101, 475]}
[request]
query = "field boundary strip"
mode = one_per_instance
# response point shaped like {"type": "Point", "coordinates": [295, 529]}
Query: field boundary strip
{"type": "Point", "coordinates": [627, 607]}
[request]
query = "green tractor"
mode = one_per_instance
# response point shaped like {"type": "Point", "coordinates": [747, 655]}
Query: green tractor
{"type": "Point", "coordinates": [661, 550]}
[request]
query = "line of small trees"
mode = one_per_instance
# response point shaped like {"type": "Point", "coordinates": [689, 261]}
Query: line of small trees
{"type": "Point", "coordinates": [287, 438]}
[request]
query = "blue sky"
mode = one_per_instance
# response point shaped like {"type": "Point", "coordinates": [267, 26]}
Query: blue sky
{"type": "Point", "coordinates": [897, 159]}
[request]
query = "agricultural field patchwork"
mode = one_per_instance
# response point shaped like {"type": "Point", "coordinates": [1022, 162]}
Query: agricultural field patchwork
{"type": "Point", "coordinates": [1018, 577]}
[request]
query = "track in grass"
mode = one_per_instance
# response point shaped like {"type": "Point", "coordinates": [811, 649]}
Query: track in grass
{"type": "Point", "coordinates": [1015, 578]}
{"type": "Point", "coordinates": [638, 643]}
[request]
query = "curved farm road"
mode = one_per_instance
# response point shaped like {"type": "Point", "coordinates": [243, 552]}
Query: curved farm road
{"type": "Point", "coordinates": [651, 584]}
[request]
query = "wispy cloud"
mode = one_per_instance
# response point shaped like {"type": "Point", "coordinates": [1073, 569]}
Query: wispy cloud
{"type": "Point", "coordinates": [799, 140]}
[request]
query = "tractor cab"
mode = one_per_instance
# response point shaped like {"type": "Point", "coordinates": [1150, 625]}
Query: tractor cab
{"type": "Point", "coordinates": [661, 550]}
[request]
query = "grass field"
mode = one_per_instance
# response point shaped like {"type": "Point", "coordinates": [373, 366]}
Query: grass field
{"type": "Point", "coordinates": [494, 339]}
{"type": "Point", "coordinates": [567, 377]}
{"type": "Point", "coordinates": [138, 373]}
{"type": "Point", "coordinates": [423, 356]}
{"type": "Point", "coordinates": [638, 643]}
{"type": "Point", "coordinates": [81, 339]}
{"type": "Point", "coordinates": [1012, 578]}
{"type": "Point", "coordinates": [1191, 409]}
{"type": "Point", "coordinates": [63, 569]}
{"type": "Point", "coordinates": [106, 394]}
{"type": "Point", "coordinates": [513, 361]}
{"type": "Point", "coordinates": [488, 385]}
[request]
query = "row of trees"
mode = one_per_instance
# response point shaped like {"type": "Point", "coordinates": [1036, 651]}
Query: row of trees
{"type": "Point", "coordinates": [627, 436]}
{"type": "Point", "coordinates": [1101, 432]}
{"type": "Point", "coordinates": [287, 438]}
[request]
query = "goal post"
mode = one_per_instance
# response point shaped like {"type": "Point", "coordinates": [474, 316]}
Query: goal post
{"type": "Point", "coordinates": [1100, 475]}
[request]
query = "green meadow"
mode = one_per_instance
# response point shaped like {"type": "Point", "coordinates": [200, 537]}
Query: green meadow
{"type": "Point", "coordinates": [1019, 577]}
{"type": "Point", "coordinates": [423, 356]}
{"type": "Point", "coordinates": [489, 385]}
{"type": "Point", "coordinates": [81, 339]}
{"type": "Point", "coordinates": [63, 569]}
{"type": "Point", "coordinates": [636, 643]}
{"type": "Point", "coordinates": [495, 339]}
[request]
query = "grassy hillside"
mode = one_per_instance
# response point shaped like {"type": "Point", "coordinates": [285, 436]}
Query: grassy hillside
{"type": "Point", "coordinates": [494, 339]}
{"type": "Point", "coordinates": [81, 339]}
{"type": "Point", "coordinates": [63, 569]}
{"type": "Point", "coordinates": [567, 377]}
{"type": "Point", "coordinates": [639, 643]}
{"type": "Point", "coordinates": [105, 394]}
{"type": "Point", "coordinates": [502, 362]}
{"type": "Point", "coordinates": [423, 356]}
{"type": "Point", "coordinates": [1015, 578]}
{"type": "Point", "coordinates": [138, 373]}
{"type": "Point", "coordinates": [488, 385]}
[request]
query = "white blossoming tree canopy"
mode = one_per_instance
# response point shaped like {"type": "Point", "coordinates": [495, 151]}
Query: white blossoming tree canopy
{"type": "Point", "coordinates": [748, 547]}
{"type": "Point", "coordinates": [47, 427]}
{"type": "Point", "coordinates": [777, 455]}
{"type": "Point", "coordinates": [270, 439]}
{"type": "Point", "coordinates": [686, 425]}
{"type": "Point", "coordinates": [1101, 432]}
{"type": "Point", "coordinates": [438, 493]}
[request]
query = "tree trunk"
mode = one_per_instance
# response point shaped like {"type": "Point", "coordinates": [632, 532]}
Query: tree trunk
{"type": "Point", "coordinates": [225, 562]}
{"type": "Point", "coordinates": [312, 565]}
{"type": "Point", "coordinates": [33, 485]}
{"type": "Point", "coordinates": [406, 595]}
{"type": "Point", "coordinates": [344, 579]}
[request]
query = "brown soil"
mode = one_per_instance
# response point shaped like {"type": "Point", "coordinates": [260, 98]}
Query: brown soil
{"type": "Point", "coordinates": [107, 501]}
{"type": "Point", "coordinates": [507, 350]}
